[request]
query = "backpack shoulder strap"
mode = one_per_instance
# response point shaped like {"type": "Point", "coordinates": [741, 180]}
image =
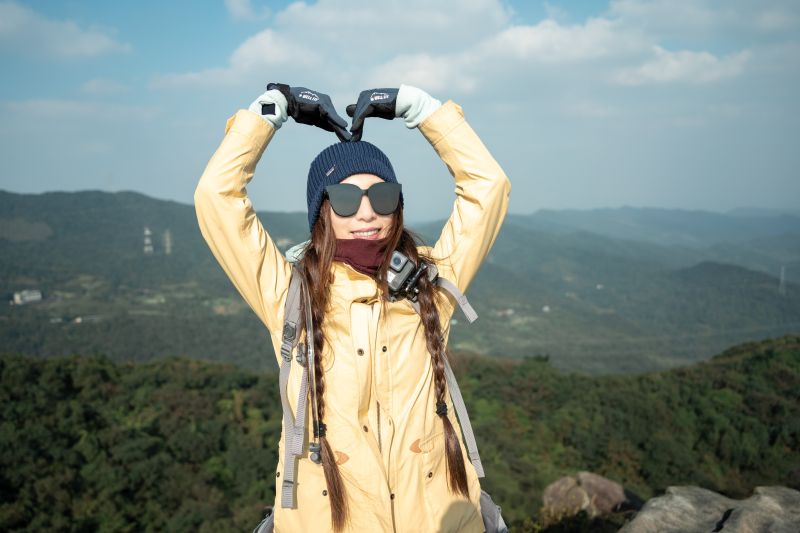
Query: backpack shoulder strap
{"type": "Point", "coordinates": [294, 425]}
{"type": "Point", "coordinates": [463, 417]}
{"type": "Point", "coordinates": [463, 303]}
{"type": "Point", "coordinates": [461, 300]}
{"type": "Point", "coordinates": [452, 384]}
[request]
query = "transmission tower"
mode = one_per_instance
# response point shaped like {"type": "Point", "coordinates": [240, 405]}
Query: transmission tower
{"type": "Point", "coordinates": [782, 286]}
{"type": "Point", "coordinates": [167, 242]}
{"type": "Point", "coordinates": [148, 242]}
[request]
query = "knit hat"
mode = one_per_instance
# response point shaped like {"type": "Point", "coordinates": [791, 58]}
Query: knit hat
{"type": "Point", "coordinates": [340, 161]}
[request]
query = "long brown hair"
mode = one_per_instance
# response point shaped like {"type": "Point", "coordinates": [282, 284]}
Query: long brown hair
{"type": "Point", "coordinates": [316, 267]}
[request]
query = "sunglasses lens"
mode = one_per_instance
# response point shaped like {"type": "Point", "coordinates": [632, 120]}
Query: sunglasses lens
{"type": "Point", "coordinates": [384, 197]}
{"type": "Point", "coordinates": [345, 198]}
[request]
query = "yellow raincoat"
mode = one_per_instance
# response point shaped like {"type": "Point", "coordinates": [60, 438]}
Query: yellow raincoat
{"type": "Point", "coordinates": [380, 407]}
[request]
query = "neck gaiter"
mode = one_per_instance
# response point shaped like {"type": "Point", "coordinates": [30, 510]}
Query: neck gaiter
{"type": "Point", "coordinates": [364, 255]}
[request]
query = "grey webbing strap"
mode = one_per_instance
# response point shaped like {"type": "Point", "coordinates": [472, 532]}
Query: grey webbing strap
{"type": "Point", "coordinates": [463, 303]}
{"type": "Point", "coordinates": [294, 426]}
{"type": "Point", "coordinates": [452, 384]}
{"type": "Point", "coordinates": [459, 297]}
{"type": "Point", "coordinates": [295, 437]}
{"type": "Point", "coordinates": [463, 417]}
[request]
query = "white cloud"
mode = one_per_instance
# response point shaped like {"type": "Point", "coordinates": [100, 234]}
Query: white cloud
{"type": "Point", "coordinates": [704, 18]}
{"type": "Point", "coordinates": [453, 45]}
{"type": "Point", "coordinates": [434, 73]}
{"type": "Point", "coordinates": [243, 10]}
{"type": "Point", "coordinates": [25, 32]}
{"type": "Point", "coordinates": [464, 46]}
{"type": "Point", "coordinates": [365, 28]}
{"type": "Point", "coordinates": [684, 66]}
{"type": "Point", "coordinates": [775, 20]}
{"type": "Point", "coordinates": [263, 52]}
{"type": "Point", "coordinates": [512, 52]}
{"type": "Point", "coordinates": [551, 42]}
{"type": "Point", "coordinates": [342, 42]}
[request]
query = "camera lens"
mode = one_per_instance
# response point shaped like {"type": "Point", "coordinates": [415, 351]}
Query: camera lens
{"type": "Point", "coordinates": [396, 261]}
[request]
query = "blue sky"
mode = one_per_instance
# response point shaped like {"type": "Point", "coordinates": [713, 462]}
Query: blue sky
{"type": "Point", "coordinates": [686, 104]}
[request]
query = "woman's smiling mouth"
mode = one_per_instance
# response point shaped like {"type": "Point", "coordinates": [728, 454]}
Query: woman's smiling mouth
{"type": "Point", "coordinates": [371, 233]}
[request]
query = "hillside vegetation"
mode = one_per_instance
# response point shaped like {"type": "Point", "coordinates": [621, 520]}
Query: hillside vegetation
{"type": "Point", "coordinates": [179, 445]}
{"type": "Point", "coordinates": [592, 302]}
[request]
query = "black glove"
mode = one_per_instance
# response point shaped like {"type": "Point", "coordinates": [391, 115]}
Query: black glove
{"type": "Point", "coordinates": [372, 103]}
{"type": "Point", "coordinates": [314, 108]}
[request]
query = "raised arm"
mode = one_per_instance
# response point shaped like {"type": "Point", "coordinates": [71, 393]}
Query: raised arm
{"type": "Point", "coordinates": [482, 190]}
{"type": "Point", "coordinates": [482, 187]}
{"type": "Point", "coordinates": [225, 214]}
{"type": "Point", "coordinates": [229, 223]}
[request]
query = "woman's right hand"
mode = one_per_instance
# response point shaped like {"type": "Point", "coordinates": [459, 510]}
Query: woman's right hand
{"type": "Point", "coordinates": [272, 107]}
{"type": "Point", "coordinates": [307, 106]}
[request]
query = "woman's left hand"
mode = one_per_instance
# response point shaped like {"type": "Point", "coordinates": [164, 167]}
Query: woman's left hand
{"type": "Point", "coordinates": [412, 104]}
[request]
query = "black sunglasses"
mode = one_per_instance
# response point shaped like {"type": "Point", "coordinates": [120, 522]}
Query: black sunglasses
{"type": "Point", "coordinates": [345, 198]}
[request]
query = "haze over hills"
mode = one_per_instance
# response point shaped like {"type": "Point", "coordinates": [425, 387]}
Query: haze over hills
{"type": "Point", "coordinates": [590, 300]}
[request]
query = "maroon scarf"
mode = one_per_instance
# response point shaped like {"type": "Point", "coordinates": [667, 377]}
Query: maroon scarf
{"type": "Point", "coordinates": [364, 255]}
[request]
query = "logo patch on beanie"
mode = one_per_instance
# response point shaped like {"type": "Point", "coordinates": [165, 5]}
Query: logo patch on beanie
{"type": "Point", "coordinates": [374, 97]}
{"type": "Point", "coordinates": [330, 170]}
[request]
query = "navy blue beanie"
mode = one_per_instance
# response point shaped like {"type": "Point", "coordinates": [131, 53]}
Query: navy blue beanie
{"type": "Point", "coordinates": [340, 161]}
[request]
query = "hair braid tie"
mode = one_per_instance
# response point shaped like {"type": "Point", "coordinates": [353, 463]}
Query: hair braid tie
{"type": "Point", "coordinates": [441, 408]}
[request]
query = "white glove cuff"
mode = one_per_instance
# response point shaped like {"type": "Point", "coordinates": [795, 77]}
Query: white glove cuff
{"type": "Point", "coordinates": [415, 105]}
{"type": "Point", "coordinates": [273, 96]}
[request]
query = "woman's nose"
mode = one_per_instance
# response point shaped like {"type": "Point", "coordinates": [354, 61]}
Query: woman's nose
{"type": "Point", "coordinates": [365, 211]}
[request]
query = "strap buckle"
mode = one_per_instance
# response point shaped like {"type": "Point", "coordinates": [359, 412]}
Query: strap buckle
{"type": "Point", "coordinates": [289, 331]}
{"type": "Point", "coordinates": [302, 354]}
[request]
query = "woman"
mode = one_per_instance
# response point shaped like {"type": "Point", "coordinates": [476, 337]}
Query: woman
{"type": "Point", "coordinates": [392, 452]}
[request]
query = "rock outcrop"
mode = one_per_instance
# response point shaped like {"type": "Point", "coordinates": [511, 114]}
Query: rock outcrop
{"type": "Point", "coordinates": [587, 492]}
{"type": "Point", "coordinates": [696, 510]}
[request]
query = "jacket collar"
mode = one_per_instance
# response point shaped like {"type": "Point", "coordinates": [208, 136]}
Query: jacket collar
{"type": "Point", "coordinates": [351, 285]}
{"type": "Point", "coordinates": [348, 284]}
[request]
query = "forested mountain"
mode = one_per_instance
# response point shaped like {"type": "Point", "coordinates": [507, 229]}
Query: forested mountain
{"type": "Point", "coordinates": [589, 301]}
{"type": "Point", "coordinates": [180, 445]}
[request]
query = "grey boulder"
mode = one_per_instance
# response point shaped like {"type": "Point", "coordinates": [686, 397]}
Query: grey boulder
{"type": "Point", "coordinates": [697, 510]}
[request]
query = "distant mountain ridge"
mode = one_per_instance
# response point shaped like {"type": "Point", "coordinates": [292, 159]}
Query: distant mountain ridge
{"type": "Point", "coordinates": [589, 301]}
{"type": "Point", "coordinates": [666, 226]}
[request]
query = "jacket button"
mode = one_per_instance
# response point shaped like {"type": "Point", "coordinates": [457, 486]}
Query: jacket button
{"type": "Point", "coordinates": [430, 474]}
{"type": "Point", "coordinates": [324, 492]}
{"type": "Point", "coordinates": [360, 351]}
{"type": "Point", "coordinates": [384, 349]}
{"type": "Point", "coordinates": [392, 495]}
{"type": "Point", "coordinates": [278, 474]}
{"type": "Point", "coordinates": [365, 428]}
